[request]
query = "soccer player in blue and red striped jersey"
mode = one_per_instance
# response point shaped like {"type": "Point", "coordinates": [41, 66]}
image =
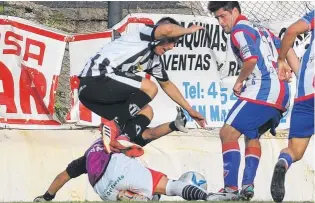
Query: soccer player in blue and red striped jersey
{"type": "Point", "coordinates": [262, 97]}
{"type": "Point", "coordinates": [302, 117]}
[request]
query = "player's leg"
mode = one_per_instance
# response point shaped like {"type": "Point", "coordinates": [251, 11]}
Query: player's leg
{"type": "Point", "coordinates": [294, 152]}
{"type": "Point", "coordinates": [301, 129]}
{"type": "Point", "coordinates": [179, 188]}
{"type": "Point", "coordinates": [252, 158]}
{"type": "Point", "coordinates": [296, 148]}
{"type": "Point", "coordinates": [150, 134]}
{"type": "Point", "coordinates": [109, 97]}
{"type": "Point", "coordinates": [142, 92]}
{"type": "Point", "coordinates": [266, 118]}
{"type": "Point", "coordinates": [145, 135]}
{"type": "Point", "coordinates": [144, 182]}
{"type": "Point", "coordinates": [240, 120]}
{"type": "Point", "coordinates": [230, 152]}
{"type": "Point", "coordinates": [74, 169]}
{"type": "Point", "coordinates": [134, 127]}
{"type": "Point", "coordinates": [121, 94]}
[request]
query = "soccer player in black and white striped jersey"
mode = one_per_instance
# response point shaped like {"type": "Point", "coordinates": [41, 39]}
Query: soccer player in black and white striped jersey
{"type": "Point", "coordinates": [110, 88]}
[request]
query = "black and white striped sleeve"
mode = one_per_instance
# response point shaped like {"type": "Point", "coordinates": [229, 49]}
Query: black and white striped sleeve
{"type": "Point", "coordinates": [147, 33]}
{"type": "Point", "coordinates": [158, 72]}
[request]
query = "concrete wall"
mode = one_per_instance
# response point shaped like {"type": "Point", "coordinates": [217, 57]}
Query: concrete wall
{"type": "Point", "coordinates": [30, 160]}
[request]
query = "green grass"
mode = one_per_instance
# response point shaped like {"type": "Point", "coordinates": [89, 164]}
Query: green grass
{"type": "Point", "coordinates": [182, 202]}
{"type": "Point", "coordinates": [229, 202]}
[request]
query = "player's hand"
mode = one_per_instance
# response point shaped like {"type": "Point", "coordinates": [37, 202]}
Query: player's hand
{"type": "Point", "coordinates": [194, 28]}
{"type": "Point", "coordinates": [284, 71]}
{"type": "Point", "coordinates": [198, 118]}
{"type": "Point", "coordinates": [237, 89]}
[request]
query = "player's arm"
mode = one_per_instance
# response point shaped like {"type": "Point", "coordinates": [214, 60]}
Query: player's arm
{"type": "Point", "coordinates": [293, 60]}
{"type": "Point", "coordinates": [290, 35]}
{"type": "Point", "coordinates": [286, 51]}
{"type": "Point", "coordinates": [74, 169]}
{"type": "Point", "coordinates": [247, 69]}
{"type": "Point", "coordinates": [291, 57]}
{"type": "Point", "coordinates": [248, 49]}
{"type": "Point", "coordinates": [172, 91]}
{"type": "Point", "coordinates": [172, 30]}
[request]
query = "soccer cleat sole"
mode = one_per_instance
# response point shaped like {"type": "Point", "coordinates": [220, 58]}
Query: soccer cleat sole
{"type": "Point", "coordinates": [277, 188]}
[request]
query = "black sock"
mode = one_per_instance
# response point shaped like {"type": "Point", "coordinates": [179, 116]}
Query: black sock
{"type": "Point", "coordinates": [173, 126]}
{"type": "Point", "coordinates": [132, 106]}
{"type": "Point", "coordinates": [48, 196]}
{"type": "Point", "coordinates": [191, 192]}
{"type": "Point", "coordinates": [135, 127]}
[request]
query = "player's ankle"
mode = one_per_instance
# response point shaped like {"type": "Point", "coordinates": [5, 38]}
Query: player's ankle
{"type": "Point", "coordinates": [231, 189]}
{"type": "Point", "coordinates": [173, 126]}
{"type": "Point", "coordinates": [48, 196]}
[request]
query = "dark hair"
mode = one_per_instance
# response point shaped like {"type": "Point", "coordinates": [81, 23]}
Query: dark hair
{"type": "Point", "coordinates": [167, 20]}
{"type": "Point", "coordinates": [213, 6]}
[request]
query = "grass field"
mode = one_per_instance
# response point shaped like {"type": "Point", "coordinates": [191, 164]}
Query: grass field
{"type": "Point", "coordinates": [185, 201]}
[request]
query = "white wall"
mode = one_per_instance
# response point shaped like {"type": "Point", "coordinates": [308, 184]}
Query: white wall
{"type": "Point", "coordinates": [30, 160]}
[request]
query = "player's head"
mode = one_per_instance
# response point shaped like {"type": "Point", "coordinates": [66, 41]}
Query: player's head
{"type": "Point", "coordinates": [226, 12]}
{"type": "Point", "coordinates": [163, 45]}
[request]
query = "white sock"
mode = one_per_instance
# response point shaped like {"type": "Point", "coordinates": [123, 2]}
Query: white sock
{"type": "Point", "coordinates": [185, 190]}
{"type": "Point", "coordinates": [175, 187]}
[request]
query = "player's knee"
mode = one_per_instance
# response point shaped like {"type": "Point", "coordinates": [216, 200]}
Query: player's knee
{"type": "Point", "coordinates": [142, 139]}
{"type": "Point", "coordinates": [252, 142]}
{"type": "Point", "coordinates": [228, 134]}
{"type": "Point", "coordinates": [147, 111]}
{"type": "Point", "coordinates": [136, 126]}
{"type": "Point", "coordinates": [76, 167]}
{"type": "Point", "coordinates": [149, 87]}
{"type": "Point", "coordinates": [222, 133]}
{"type": "Point", "coordinates": [161, 186]}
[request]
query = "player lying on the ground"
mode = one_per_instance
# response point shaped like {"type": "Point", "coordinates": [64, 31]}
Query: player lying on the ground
{"type": "Point", "coordinates": [77, 167]}
{"type": "Point", "coordinates": [119, 177]}
{"type": "Point", "coordinates": [261, 95]}
{"type": "Point", "coordinates": [302, 116]}
{"type": "Point", "coordinates": [110, 87]}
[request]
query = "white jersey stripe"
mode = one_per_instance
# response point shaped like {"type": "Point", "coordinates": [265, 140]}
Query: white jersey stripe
{"type": "Point", "coordinates": [235, 112]}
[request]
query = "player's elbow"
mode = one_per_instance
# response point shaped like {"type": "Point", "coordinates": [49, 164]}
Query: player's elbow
{"type": "Point", "coordinates": [168, 29]}
{"type": "Point", "coordinates": [251, 62]}
{"type": "Point", "coordinates": [291, 31]}
{"type": "Point", "coordinates": [164, 31]}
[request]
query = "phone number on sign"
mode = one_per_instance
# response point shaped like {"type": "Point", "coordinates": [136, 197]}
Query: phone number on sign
{"type": "Point", "coordinates": [195, 91]}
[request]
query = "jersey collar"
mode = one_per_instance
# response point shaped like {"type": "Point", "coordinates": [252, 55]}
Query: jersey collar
{"type": "Point", "coordinates": [239, 18]}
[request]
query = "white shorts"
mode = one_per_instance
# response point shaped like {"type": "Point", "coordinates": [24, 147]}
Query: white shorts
{"type": "Point", "coordinates": [125, 173]}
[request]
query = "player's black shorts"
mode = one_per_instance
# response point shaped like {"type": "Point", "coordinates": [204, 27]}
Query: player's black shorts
{"type": "Point", "coordinates": [106, 95]}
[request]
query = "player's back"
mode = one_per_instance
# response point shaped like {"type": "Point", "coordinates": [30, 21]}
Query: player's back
{"type": "Point", "coordinates": [96, 161]}
{"type": "Point", "coordinates": [120, 54]}
{"type": "Point", "coordinates": [263, 85]}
